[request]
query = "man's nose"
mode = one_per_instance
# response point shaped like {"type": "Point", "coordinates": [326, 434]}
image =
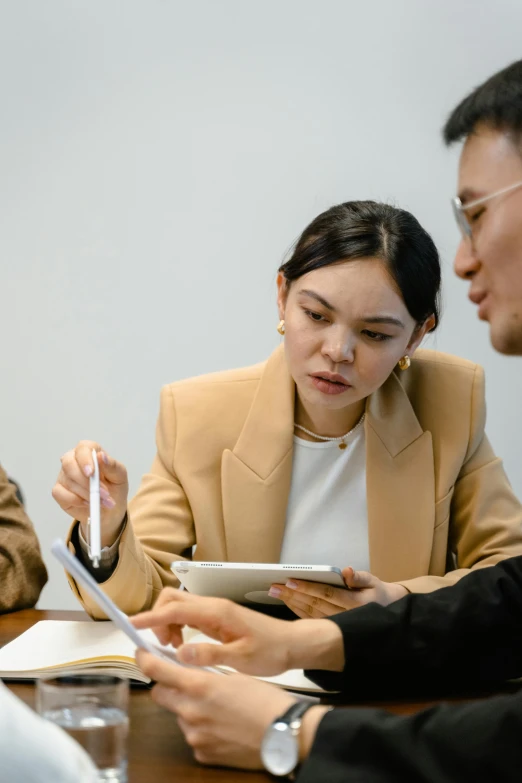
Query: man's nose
{"type": "Point", "coordinates": [466, 263]}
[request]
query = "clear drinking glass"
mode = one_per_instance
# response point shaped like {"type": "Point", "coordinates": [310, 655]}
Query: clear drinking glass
{"type": "Point", "coordinates": [93, 710]}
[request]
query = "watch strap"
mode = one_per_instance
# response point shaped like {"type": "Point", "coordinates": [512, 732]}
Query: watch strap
{"type": "Point", "coordinates": [295, 712]}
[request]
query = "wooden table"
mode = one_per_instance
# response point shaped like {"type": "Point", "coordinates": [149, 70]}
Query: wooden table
{"type": "Point", "coordinates": [157, 749]}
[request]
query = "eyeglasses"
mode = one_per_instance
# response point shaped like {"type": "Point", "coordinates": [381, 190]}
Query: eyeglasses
{"type": "Point", "coordinates": [459, 209]}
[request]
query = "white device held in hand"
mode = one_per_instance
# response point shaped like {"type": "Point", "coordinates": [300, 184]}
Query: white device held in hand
{"type": "Point", "coordinates": [94, 522]}
{"type": "Point", "coordinates": [247, 583]}
{"type": "Point", "coordinates": [73, 566]}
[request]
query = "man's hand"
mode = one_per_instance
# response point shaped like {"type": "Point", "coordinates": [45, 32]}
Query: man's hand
{"type": "Point", "coordinates": [223, 717]}
{"type": "Point", "coordinates": [250, 642]}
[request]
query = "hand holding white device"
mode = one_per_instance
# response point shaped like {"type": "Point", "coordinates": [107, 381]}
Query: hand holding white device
{"type": "Point", "coordinates": [249, 582]}
{"type": "Point", "coordinates": [94, 522]}
{"type": "Point", "coordinates": [119, 618]}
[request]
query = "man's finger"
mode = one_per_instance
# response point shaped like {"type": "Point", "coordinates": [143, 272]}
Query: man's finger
{"type": "Point", "coordinates": [232, 654]}
{"type": "Point", "coordinates": [169, 674]}
{"type": "Point", "coordinates": [170, 698]}
{"type": "Point", "coordinates": [169, 634]}
{"type": "Point", "coordinates": [166, 633]}
{"type": "Point", "coordinates": [182, 611]}
{"type": "Point", "coordinates": [155, 617]}
{"type": "Point", "coordinates": [169, 594]}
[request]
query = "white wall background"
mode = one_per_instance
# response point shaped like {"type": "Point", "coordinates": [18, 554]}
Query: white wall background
{"type": "Point", "coordinates": [157, 159]}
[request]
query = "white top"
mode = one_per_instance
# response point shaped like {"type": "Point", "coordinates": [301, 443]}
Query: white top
{"type": "Point", "coordinates": [327, 515]}
{"type": "Point", "coordinates": [33, 750]}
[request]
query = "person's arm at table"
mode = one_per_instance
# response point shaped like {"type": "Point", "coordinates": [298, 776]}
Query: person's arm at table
{"type": "Point", "coordinates": [224, 719]}
{"type": "Point", "coordinates": [469, 633]}
{"type": "Point", "coordinates": [252, 642]}
{"type": "Point", "coordinates": [479, 741]}
{"type": "Point", "coordinates": [22, 570]}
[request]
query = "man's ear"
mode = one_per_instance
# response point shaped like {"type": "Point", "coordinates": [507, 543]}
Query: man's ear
{"type": "Point", "coordinates": [282, 294]}
{"type": "Point", "coordinates": [419, 333]}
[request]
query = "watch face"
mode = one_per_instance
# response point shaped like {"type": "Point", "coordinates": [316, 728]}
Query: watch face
{"type": "Point", "coordinates": [279, 749]}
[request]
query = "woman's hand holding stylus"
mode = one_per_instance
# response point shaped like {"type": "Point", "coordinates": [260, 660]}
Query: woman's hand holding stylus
{"type": "Point", "coordinates": [71, 490]}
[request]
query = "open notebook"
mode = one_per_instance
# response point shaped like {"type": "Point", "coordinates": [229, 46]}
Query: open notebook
{"type": "Point", "coordinates": [56, 647]}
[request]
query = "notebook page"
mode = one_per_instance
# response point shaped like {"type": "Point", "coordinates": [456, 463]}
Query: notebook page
{"type": "Point", "coordinates": [62, 642]}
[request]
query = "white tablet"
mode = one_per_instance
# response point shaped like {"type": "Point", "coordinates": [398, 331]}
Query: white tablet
{"type": "Point", "coordinates": [247, 583]}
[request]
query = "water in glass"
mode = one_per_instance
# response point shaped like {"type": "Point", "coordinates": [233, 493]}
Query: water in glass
{"type": "Point", "coordinates": [102, 731]}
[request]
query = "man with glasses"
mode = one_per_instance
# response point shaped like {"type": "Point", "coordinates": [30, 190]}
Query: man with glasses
{"type": "Point", "coordinates": [466, 635]}
{"type": "Point", "coordinates": [461, 209]}
{"type": "Point", "coordinates": [489, 203]}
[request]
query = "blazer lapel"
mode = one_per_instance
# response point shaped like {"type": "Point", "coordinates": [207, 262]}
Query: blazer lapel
{"type": "Point", "coordinates": [400, 486]}
{"type": "Point", "coordinates": [256, 475]}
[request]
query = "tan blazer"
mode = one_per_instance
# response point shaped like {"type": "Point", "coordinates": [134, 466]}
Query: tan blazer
{"type": "Point", "coordinates": [22, 571]}
{"type": "Point", "coordinates": [436, 492]}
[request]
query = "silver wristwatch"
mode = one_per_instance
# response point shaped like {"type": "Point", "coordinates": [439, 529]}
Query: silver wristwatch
{"type": "Point", "coordinates": [280, 746]}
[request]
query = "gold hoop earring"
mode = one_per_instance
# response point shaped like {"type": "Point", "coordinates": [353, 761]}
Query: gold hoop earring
{"type": "Point", "coordinates": [281, 327]}
{"type": "Point", "coordinates": [404, 363]}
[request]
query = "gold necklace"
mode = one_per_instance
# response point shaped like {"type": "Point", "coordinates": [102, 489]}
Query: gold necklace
{"type": "Point", "coordinates": [340, 441]}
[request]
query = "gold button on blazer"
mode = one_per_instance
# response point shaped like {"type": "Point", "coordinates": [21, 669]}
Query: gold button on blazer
{"type": "Point", "coordinates": [439, 502]}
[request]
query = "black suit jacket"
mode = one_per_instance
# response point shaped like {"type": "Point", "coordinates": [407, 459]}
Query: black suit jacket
{"type": "Point", "coordinates": [464, 636]}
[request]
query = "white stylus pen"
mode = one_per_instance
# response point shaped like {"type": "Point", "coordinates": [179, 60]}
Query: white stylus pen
{"type": "Point", "coordinates": [94, 514]}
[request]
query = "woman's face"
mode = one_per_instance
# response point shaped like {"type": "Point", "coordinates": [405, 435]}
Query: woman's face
{"type": "Point", "coordinates": [346, 327]}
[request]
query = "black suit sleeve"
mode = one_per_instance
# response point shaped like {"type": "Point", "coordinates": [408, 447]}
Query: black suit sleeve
{"type": "Point", "coordinates": [475, 742]}
{"type": "Point", "coordinates": [470, 633]}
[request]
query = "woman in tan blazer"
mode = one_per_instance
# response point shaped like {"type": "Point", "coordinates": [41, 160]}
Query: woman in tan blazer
{"type": "Point", "coordinates": [355, 300]}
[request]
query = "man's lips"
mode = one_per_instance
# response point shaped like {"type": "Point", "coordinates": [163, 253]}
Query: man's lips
{"type": "Point", "coordinates": [480, 298]}
{"type": "Point", "coordinates": [477, 296]}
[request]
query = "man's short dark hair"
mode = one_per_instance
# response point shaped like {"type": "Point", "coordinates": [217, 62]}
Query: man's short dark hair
{"type": "Point", "coordinates": [496, 104]}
